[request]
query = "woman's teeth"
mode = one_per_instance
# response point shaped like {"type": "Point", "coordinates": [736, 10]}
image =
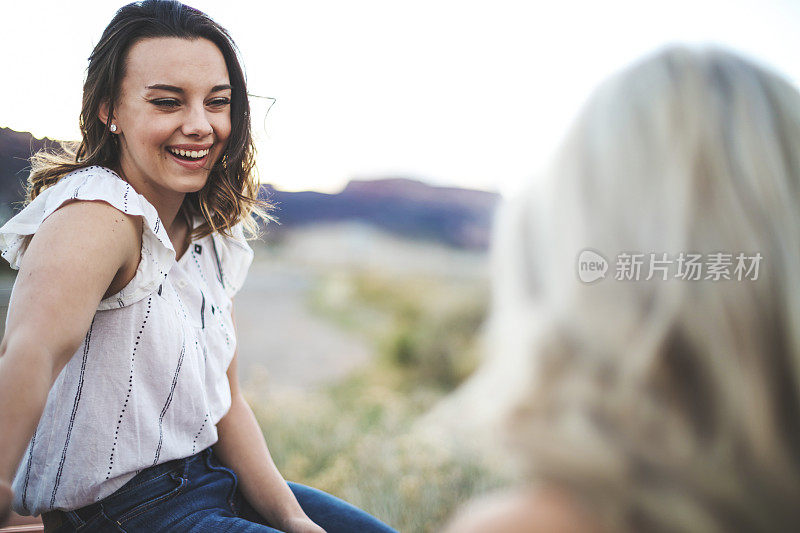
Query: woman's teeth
{"type": "Point", "coordinates": [189, 154]}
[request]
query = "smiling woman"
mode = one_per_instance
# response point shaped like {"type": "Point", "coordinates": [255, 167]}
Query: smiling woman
{"type": "Point", "coordinates": [172, 117]}
{"type": "Point", "coordinates": [118, 364]}
{"type": "Point", "coordinates": [153, 85]}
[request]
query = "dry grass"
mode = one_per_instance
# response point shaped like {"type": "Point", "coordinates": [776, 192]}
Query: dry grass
{"type": "Point", "coordinates": [353, 439]}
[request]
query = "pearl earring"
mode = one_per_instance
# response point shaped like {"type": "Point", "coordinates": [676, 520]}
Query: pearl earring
{"type": "Point", "coordinates": [113, 128]}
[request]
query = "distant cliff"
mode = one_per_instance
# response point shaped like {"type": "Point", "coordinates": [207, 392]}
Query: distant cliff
{"type": "Point", "coordinates": [453, 216]}
{"type": "Point", "coordinates": [457, 217]}
{"type": "Point", "coordinates": [15, 152]}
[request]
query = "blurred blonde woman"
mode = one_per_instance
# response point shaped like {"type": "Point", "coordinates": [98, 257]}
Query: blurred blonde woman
{"type": "Point", "coordinates": [657, 405]}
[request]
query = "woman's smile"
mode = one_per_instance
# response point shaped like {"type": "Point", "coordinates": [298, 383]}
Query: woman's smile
{"type": "Point", "coordinates": [190, 155]}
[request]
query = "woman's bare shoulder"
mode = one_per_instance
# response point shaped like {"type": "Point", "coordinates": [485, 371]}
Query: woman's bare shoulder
{"type": "Point", "coordinates": [88, 234]}
{"type": "Point", "coordinates": [523, 511]}
{"type": "Point", "coordinates": [98, 219]}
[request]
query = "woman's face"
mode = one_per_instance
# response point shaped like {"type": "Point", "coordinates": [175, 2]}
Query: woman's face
{"type": "Point", "coordinates": [173, 115]}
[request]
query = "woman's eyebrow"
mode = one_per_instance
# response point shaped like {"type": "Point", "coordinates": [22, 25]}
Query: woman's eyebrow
{"type": "Point", "coordinates": [174, 89]}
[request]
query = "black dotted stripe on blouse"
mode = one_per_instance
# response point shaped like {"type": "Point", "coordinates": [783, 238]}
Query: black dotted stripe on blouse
{"type": "Point", "coordinates": [130, 387]}
{"type": "Point", "coordinates": [197, 435]}
{"type": "Point", "coordinates": [74, 412]}
{"type": "Point", "coordinates": [28, 473]}
{"type": "Point", "coordinates": [167, 404]}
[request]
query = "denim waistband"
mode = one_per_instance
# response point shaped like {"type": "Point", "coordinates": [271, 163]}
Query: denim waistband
{"type": "Point", "coordinates": [176, 465]}
{"type": "Point", "coordinates": [83, 514]}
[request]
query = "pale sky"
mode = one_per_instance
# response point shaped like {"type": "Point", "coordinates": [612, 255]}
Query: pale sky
{"type": "Point", "coordinates": [452, 92]}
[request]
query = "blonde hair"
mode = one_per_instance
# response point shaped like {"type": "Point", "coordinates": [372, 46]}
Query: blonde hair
{"type": "Point", "coordinates": [663, 405]}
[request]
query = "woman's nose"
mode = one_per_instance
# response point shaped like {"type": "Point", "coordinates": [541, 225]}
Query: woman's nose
{"type": "Point", "coordinates": [196, 122]}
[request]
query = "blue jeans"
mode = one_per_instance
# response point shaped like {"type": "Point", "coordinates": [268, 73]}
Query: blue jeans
{"type": "Point", "coordinates": [198, 494]}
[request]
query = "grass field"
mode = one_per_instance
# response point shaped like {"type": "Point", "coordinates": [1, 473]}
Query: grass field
{"type": "Point", "coordinates": [354, 437]}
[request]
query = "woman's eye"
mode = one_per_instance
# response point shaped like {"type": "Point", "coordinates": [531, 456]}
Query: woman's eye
{"type": "Point", "coordinates": [219, 102]}
{"type": "Point", "coordinates": [166, 102]}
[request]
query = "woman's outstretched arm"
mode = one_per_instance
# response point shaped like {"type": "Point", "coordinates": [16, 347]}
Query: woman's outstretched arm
{"type": "Point", "coordinates": [70, 263]}
{"type": "Point", "coordinates": [242, 448]}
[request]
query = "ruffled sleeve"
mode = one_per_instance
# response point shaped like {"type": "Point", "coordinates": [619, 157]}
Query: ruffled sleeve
{"type": "Point", "coordinates": [97, 183]}
{"type": "Point", "coordinates": [234, 257]}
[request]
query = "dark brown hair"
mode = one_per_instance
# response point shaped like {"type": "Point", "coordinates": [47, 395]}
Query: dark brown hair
{"type": "Point", "coordinates": [231, 192]}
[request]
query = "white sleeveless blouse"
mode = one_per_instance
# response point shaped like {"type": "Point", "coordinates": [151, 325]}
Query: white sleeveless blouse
{"type": "Point", "coordinates": [149, 382]}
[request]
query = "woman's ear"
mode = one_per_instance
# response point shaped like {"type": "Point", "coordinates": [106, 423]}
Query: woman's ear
{"type": "Point", "coordinates": [102, 112]}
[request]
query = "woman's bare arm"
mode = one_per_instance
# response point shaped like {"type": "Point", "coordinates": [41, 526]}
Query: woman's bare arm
{"type": "Point", "coordinates": [242, 448]}
{"type": "Point", "coordinates": [70, 263]}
